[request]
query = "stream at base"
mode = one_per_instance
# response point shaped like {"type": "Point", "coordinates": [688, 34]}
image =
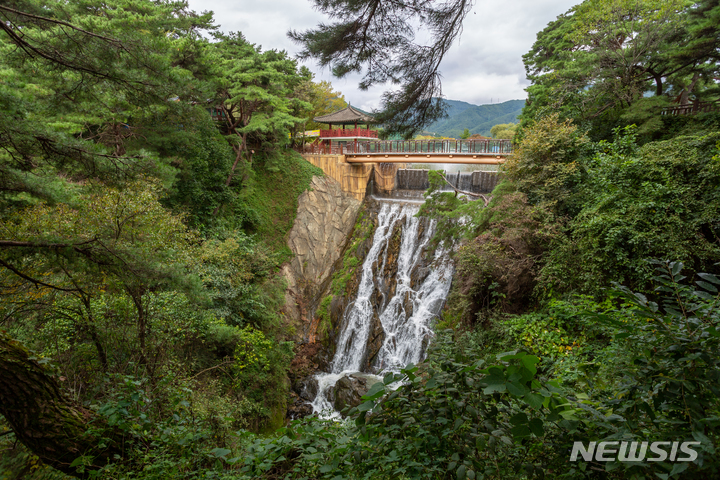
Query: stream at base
{"type": "Point", "coordinates": [406, 304]}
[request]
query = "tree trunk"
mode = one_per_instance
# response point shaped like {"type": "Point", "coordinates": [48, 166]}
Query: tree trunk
{"type": "Point", "coordinates": [45, 421]}
{"type": "Point", "coordinates": [92, 330]}
{"type": "Point", "coordinates": [241, 149]}
{"type": "Point", "coordinates": [658, 84]}
{"type": "Point", "coordinates": [136, 293]}
{"type": "Point", "coordinates": [685, 94]}
{"type": "Point", "coordinates": [238, 157]}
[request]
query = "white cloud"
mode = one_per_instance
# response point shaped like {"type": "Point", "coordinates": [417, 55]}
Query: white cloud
{"type": "Point", "coordinates": [486, 63]}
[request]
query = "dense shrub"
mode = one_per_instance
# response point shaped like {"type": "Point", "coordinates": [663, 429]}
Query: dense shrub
{"type": "Point", "coordinates": [548, 164]}
{"type": "Point", "coordinates": [661, 200]}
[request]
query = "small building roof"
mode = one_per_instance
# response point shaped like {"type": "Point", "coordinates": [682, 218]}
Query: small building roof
{"type": "Point", "coordinates": [346, 116]}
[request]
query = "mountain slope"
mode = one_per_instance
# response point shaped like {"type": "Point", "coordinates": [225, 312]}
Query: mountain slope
{"type": "Point", "coordinates": [477, 118]}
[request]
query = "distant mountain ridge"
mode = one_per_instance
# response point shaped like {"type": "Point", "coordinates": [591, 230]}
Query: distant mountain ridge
{"type": "Point", "coordinates": [476, 118]}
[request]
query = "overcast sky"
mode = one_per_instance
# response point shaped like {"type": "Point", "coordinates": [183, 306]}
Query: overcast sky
{"type": "Point", "coordinates": [484, 66]}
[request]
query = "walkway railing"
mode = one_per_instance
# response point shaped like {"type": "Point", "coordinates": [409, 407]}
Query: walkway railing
{"type": "Point", "coordinates": [425, 147]}
{"type": "Point", "coordinates": [692, 108]}
{"type": "Point", "coordinates": [349, 132]}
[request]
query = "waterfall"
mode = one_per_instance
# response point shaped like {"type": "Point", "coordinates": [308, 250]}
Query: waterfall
{"type": "Point", "coordinates": [405, 316]}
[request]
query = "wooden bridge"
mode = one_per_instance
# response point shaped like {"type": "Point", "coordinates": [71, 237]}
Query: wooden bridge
{"type": "Point", "coordinates": [418, 151]}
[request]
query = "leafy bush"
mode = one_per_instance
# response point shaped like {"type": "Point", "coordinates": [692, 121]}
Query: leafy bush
{"type": "Point", "coordinates": [260, 366]}
{"type": "Point", "coordinates": [547, 165]}
{"type": "Point", "coordinates": [657, 201]}
{"type": "Point", "coordinates": [497, 269]}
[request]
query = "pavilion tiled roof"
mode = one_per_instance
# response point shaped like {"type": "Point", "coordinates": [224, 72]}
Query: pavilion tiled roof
{"type": "Point", "coordinates": [347, 116]}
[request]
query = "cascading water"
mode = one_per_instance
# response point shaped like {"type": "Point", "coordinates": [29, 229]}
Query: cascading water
{"type": "Point", "coordinates": [405, 316]}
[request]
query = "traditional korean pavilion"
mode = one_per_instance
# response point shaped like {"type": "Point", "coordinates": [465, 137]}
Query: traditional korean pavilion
{"type": "Point", "coordinates": [346, 117]}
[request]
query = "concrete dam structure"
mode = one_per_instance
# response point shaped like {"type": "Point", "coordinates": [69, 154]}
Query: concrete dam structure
{"type": "Point", "coordinates": [473, 182]}
{"type": "Point", "coordinates": [392, 179]}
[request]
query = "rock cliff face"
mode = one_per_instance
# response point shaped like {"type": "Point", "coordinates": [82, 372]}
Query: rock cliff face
{"type": "Point", "coordinates": [325, 219]}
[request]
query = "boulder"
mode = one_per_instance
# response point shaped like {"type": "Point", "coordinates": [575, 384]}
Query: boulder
{"type": "Point", "coordinates": [349, 389]}
{"type": "Point", "coordinates": [298, 407]}
{"type": "Point", "coordinates": [308, 388]}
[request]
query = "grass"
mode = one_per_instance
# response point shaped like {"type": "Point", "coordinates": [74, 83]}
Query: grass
{"type": "Point", "coordinates": [277, 182]}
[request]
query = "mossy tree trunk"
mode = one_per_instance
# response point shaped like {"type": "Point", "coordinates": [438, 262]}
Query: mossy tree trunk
{"type": "Point", "coordinates": [45, 421]}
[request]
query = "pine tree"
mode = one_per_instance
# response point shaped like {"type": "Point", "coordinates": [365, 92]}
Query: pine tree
{"type": "Point", "coordinates": [378, 38]}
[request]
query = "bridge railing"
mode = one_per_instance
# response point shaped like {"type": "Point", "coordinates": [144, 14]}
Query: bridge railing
{"type": "Point", "coordinates": [468, 147]}
{"type": "Point", "coordinates": [315, 149]}
{"type": "Point", "coordinates": [455, 147]}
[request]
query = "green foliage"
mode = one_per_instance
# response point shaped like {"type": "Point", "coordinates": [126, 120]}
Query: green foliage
{"type": "Point", "coordinates": [470, 412]}
{"type": "Point", "coordinates": [272, 193]}
{"type": "Point", "coordinates": [447, 208]}
{"type": "Point", "coordinates": [497, 247]}
{"type": "Point", "coordinates": [260, 365]}
{"type": "Point", "coordinates": [451, 420]}
{"type": "Point", "coordinates": [141, 241]}
{"type": "Point", "coordinates": [323, 314]}
{"type": "Point", "coordinates": [116, 257]}
{"type": "Point", "coordinates": [182, 442]}
{"type": "Point", "coordinates": [659, 200]}
{"type": "Point", "coordinates": [72, 107]}
{"type": "Point", "coordinates": [254, 93]}
{"type": "Point", "coordinates": [238, 276]}
{"type": "Point", "coordinates": [504, 130]}
{"type": "Point", "coordinates": [320, 97]}
{"type": "Point", "coordinates": [671, 389]}
{"type": "Point", "coordinates": [203, 159]}
{"type": "Point", "coordinates": [17, 462]}
{"type": "Point", "coordinates": [547, 165]}
{"type": "Point", "coordinates": [363, 230]}
{"type": "Point", "coordinates": [497, 268]}
{"type": "Point", "coordinates": [599, 62]}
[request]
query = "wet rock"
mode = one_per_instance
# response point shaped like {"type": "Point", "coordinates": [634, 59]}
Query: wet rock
{"type": "Point", "coordinates": [389, 273]}
{"type": "Point", "coordinates": [337, 306]}
{"type": "Point", "coordinates": [422, 226]}
{"type": "Point", "coordinates": [408, 305]}
{"type": "Point", "coordinates": [309, 358]}
{"type": "Point", "coordinates": [425, 342]}
{"type": "Point", "coordinates": [349, 389]}
{"type": "Point", "coordinates": [375, 342]}
{"type": "Point", "coordinates": [418, 275]}
{"type": "Point", "coordinates": [298, 407]}
{"type": "Point", "coordinates": [307, 388]}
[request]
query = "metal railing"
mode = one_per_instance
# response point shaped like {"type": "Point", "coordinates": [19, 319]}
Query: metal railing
{"type": "Point", "coordinates": [349, 132]}
{"type": "Point", "coordinates": [425, 147]}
